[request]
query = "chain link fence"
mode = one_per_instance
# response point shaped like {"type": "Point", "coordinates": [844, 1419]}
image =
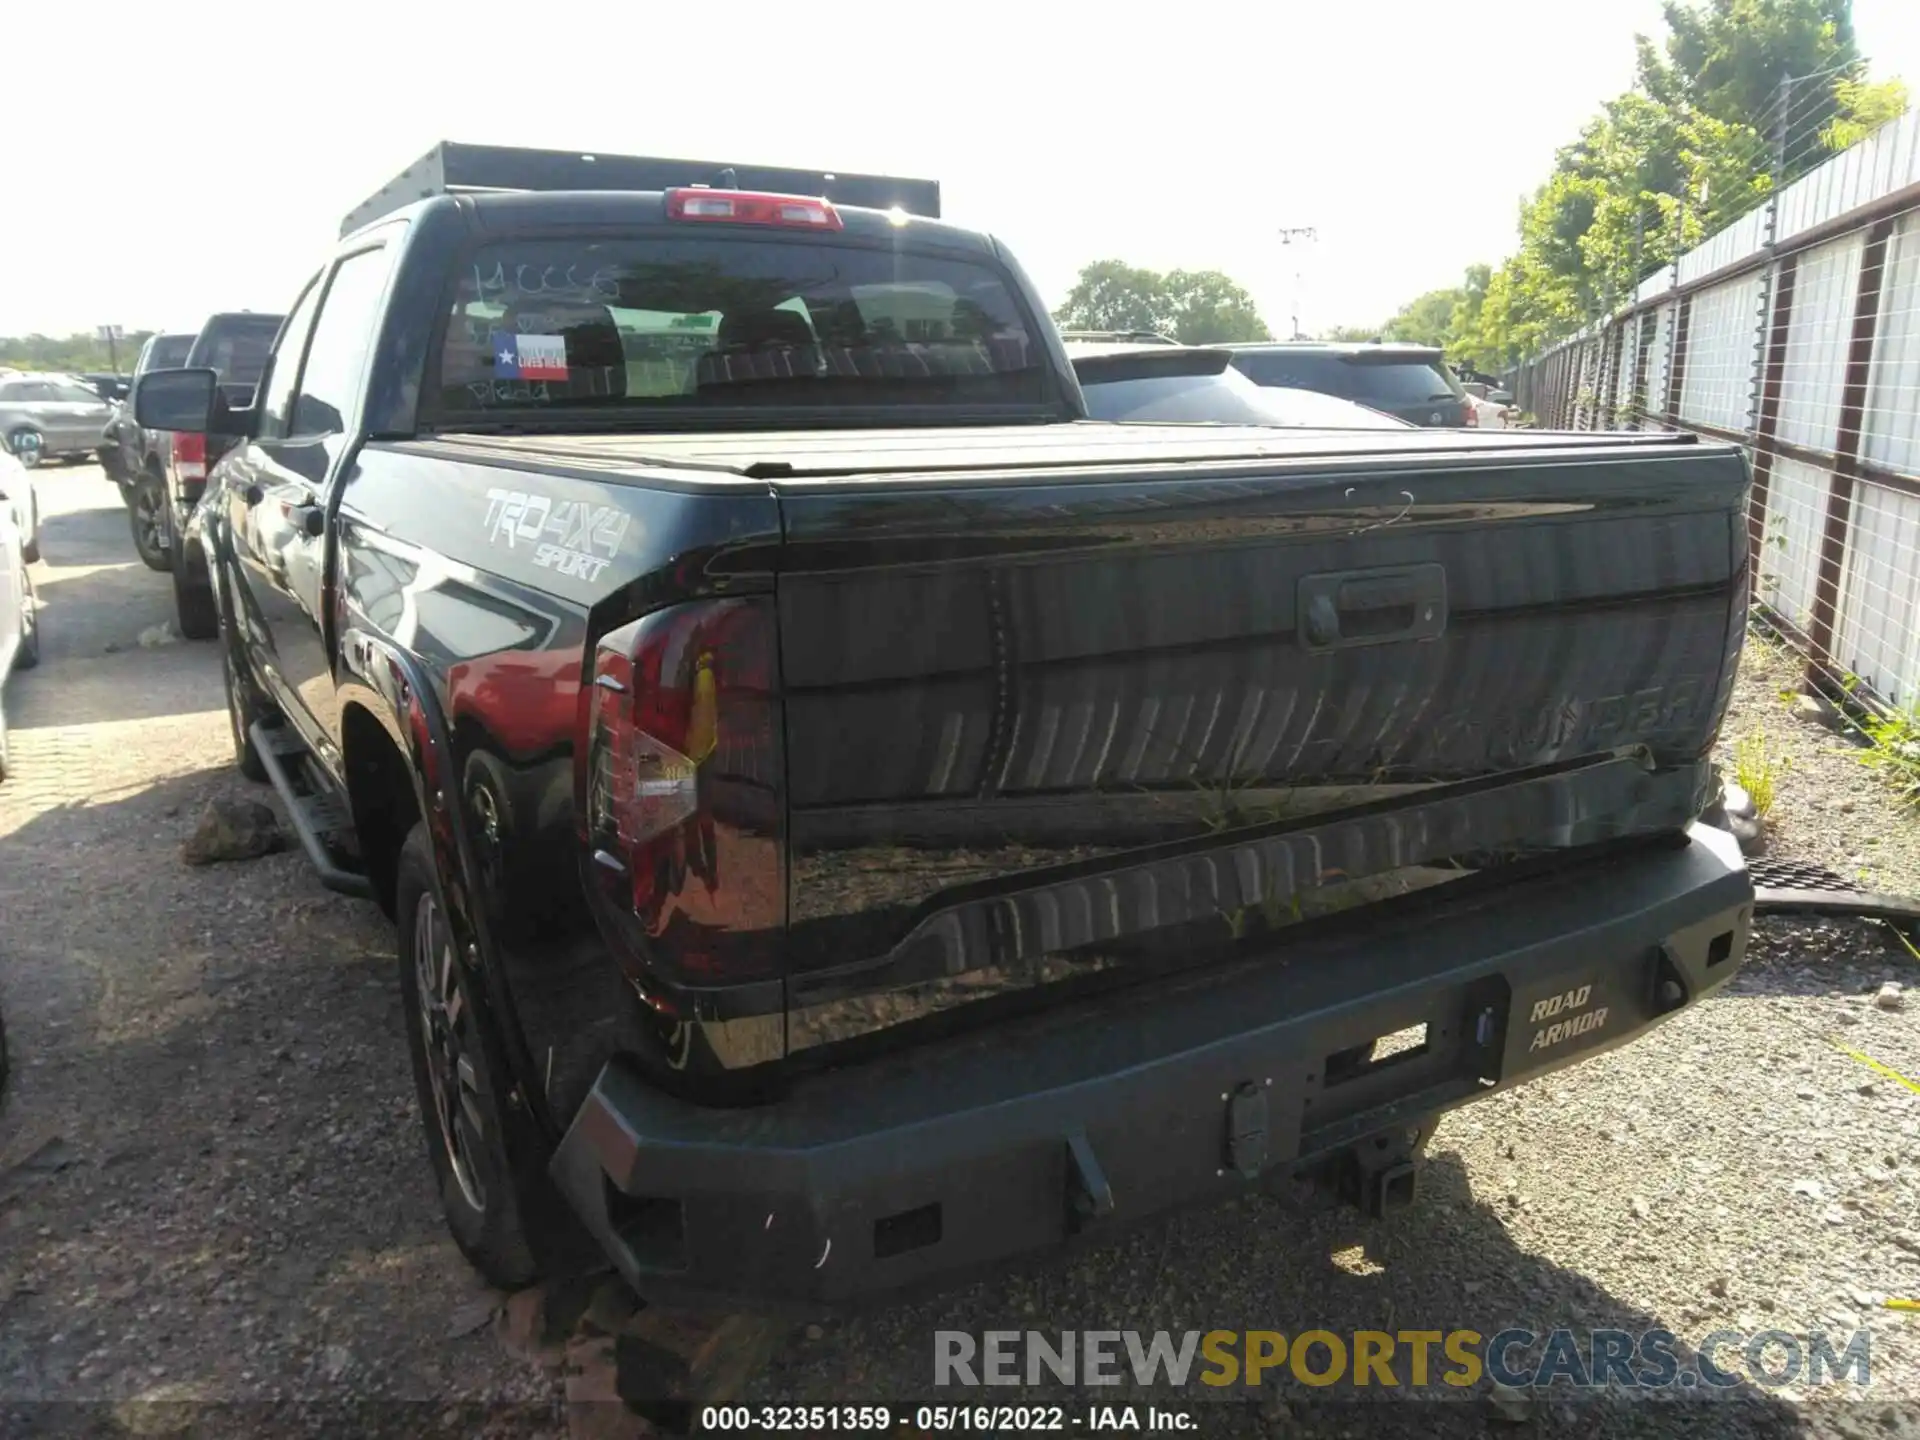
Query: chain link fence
{"type": "Point", "coordinates": [1795, 332]}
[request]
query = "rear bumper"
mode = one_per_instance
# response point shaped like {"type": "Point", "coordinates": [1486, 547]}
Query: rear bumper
{"type": "Point", "coordinates": [913, 1170]}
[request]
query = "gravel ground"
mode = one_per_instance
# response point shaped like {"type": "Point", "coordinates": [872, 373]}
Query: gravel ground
{"type": "Point", "coordinates": [1829, 808]}
{"type": "Point", "coordinates": [212, 1183]}
{"type": "Point", "coordinates": [212, 1186]}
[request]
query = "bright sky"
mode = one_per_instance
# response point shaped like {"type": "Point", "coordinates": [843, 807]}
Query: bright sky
{"type": "Point", "coordinates": [199, 157]}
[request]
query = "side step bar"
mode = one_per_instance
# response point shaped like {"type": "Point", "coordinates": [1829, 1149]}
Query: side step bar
{"type": "Point", "coordinates": [315, 810]}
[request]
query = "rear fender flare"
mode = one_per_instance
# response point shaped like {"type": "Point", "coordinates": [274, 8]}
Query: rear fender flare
{"type": "Point", "coordinates": [393, 687]}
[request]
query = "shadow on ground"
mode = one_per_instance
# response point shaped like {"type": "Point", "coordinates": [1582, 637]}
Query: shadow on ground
{"type": "Point", "coordinates": [212, 1180]}
{"type": "Point", "coordinates": [98, 535]}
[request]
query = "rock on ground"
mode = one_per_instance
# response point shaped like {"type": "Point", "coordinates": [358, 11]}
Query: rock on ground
{"type": "Point", "coordinates": [231, 829]}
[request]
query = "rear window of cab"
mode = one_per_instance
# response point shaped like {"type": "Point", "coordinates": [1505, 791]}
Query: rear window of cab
{"type": "Point", "coordinates": [633, 324]}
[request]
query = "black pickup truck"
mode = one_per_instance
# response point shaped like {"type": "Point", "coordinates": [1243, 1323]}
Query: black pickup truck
{"type": "Point", "coordinates": [850, 819]}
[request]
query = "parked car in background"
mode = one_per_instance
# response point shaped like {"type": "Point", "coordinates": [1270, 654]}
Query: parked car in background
{"type": "Point", "coordinates": [1411, 382]}
{"type": "Point", "coordinates": [160, 473]}
{"type": "Point", "coordinates": [1183, 384]}
{"type": "Point", "coordinates": [23, 500]}
{"type": "Point", "coordinates": [51, 417]}
{"type": "Point", "coordinates": [1493, 409]}
{"type": "Point", "coordinates": [19, 618]}
{"type": "Point", "coordinates": [131, 456]}
{"type": "Point", "coordinates": [234, 346]}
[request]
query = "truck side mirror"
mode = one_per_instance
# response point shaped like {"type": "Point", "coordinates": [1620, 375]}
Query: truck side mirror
{"type": "Point", "coordinates": [176, 400]}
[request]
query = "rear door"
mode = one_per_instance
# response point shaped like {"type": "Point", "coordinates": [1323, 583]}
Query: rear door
{"type": "Point", "coordinates": [277, 488]}
{"type": "Point", "coordinates": [83, 417]}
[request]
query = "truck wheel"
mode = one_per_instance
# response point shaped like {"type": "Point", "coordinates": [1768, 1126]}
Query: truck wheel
{"type": "Point", "coordinates": [458, 1074]}
{"type": "Point", "coordinates": [193, 601]}
{"type": "Point", "coordinates": [146, 515]}
{"type": "Point", "coordinates": [28, 655]}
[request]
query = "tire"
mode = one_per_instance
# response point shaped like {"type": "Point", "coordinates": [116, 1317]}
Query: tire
{"type": "Point", "coordinates": [28, 655]}
{"type": "Point", "coordinates": [30, 547]}
{"type": "Point", "coordinates": [244, 706]}
{"type": "Point", "coordinates": [193, 602]}
{"type": "Point", "coordinates": [25, 442]}
{"type": "Point", "coordinates": [470, 1134]}
{"type": "Point", "coordinates": [147, 516]}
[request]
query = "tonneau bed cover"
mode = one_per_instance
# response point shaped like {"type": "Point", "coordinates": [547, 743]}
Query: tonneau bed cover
{"type": "Point", "coordinates": [830, 454]}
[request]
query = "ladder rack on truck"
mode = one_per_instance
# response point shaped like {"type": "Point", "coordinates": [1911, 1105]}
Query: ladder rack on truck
{"type": "Point", "coordinates": [451, 169]}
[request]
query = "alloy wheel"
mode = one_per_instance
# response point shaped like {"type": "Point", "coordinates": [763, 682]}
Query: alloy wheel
{"type": "Point", "coordinates": [446, 1027]}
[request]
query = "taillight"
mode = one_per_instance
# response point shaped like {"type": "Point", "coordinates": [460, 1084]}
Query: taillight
{"type": "Point", "coordinates": [189, 455]}
{"type": "Point", "coordinates": [752, 207]}
{"type": "Point", "coordinates": [684, 804]}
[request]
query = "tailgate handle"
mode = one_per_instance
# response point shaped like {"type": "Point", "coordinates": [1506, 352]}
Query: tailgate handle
{"type": "Point", "coordinates": [1372, 607]}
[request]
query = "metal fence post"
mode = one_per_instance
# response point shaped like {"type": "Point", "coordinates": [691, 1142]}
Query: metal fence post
{"type": "Point", "coordinates": [1649, 323]}
{"type": "Point", "coordinates": [1846, 447]}
{"type": "Point", "coordinates": [1766, 425]}
{"type": "Point", "coordinates": [1609, 368]}
{"type": "Point", "coordinates": [1677, 359]}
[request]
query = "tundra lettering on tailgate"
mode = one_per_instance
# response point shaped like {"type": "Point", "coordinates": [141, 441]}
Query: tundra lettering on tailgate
{"type": "Point", "coordinates": [1559, 1031]}
{"type": "Point", "coordinates": [569, 536]}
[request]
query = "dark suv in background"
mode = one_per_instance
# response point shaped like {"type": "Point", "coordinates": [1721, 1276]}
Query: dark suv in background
{"type": "Point", "coordinates": [1409, 382]}
{"type": "Point", "coordinates": [234, 346]}
{"type": "Point", "coordinates": [164, 472]}
{"type": "Point", "coordinates": [127, 452]}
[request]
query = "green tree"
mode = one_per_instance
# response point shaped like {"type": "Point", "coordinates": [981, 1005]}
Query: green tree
{"type": "Point", "coordinates": [1426, 320]}
{"type": "Point", "coordinates": [1863, 109]}
{"type": "Point", "coordinates": [73, 353]}
{"type": "Point", "coordinates": [1739, 97]}
{"type": "Point", "coordinates": [1196, 307]}
{"type": "Point", "coordinates": [1210, 309]}
{"type": "Point", "coordinates": [1733, 59]}
{"type": "Point", "coordinates": [1113, 295]}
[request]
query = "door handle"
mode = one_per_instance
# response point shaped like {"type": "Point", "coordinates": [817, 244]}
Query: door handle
{"type": "Point", "coordinates": [1372, 607]}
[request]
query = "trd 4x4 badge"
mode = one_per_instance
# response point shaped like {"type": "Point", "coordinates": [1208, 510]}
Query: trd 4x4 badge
{"type": "Point", "coordinates": [569, 536]}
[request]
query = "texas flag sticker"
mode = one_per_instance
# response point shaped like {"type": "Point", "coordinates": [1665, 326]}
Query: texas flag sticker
{"type": "Point", "coordinates": [529, 357]}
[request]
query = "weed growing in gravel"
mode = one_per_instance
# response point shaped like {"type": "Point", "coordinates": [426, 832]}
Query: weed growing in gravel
{"type": "Point", "coordinates": [1893, 748]}
{"type": "Point", "coordinates": [1757, 768]}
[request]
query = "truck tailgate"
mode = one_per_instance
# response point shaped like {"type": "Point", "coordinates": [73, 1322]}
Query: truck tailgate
{"type": "Point", "coordinates": [1078, 724]}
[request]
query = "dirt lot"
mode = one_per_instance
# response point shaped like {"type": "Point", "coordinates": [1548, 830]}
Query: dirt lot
{"type": "Point", "coordinates": [212, 1187]}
